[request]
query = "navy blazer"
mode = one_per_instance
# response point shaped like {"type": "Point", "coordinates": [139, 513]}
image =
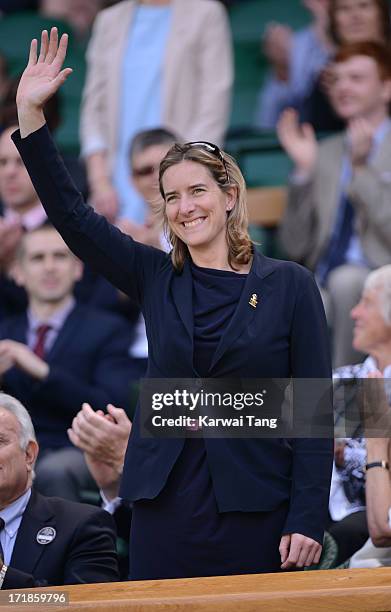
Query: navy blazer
{"type": "Point", "coordinates": [286, 335]}
{"type": "Point", "coordinates": [82, 551]}
{"type": "Point", "coordinates": [89, 362]}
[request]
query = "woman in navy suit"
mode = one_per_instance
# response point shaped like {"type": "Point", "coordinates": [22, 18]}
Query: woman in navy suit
{"type": "Point", "coordinates": [214, 307]}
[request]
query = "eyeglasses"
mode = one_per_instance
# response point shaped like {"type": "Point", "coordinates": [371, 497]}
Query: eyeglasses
{"type": "Point", "coordinates": [144, 171]}
{"type": "Point", "coordinates": [212, 148]}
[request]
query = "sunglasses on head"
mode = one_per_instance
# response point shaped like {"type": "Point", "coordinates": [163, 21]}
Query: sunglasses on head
{"type": "Point", "coordinates": [143, 171]}
{"type": "Point", "coordinates": [212, 148]}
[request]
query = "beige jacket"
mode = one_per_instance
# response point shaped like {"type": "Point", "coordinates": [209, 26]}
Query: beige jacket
{"type": "Point", "coordinates": [197, 74]}
{"type": "Point", "coordinates": [308, 222]}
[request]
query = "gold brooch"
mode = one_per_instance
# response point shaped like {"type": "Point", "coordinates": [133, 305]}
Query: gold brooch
{"type": "Point", "coordinates": [253, 300]}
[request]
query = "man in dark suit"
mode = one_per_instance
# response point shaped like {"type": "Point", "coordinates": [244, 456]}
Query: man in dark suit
{"type": "Point", "coordinates": [21, 210]}
{"type": "Point", "coordinates": [45, 541]}
{"type": "Point", "coordinates": [58, 355]}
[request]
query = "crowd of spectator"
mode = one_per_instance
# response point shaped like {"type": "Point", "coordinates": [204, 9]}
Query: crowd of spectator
{"type": "Point", "coordinates": [73, 348]}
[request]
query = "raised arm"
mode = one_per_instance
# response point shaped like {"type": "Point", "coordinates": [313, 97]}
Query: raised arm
{"type": "Point", "coordinates": [124, 262]}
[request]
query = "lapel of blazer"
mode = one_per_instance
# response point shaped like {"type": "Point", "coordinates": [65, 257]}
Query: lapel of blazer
{"type": "Point", "coordinates": [66, 333]}
{"type": "Point", "coordinates": [245, 312]}
{"type": "Point", "coordinates": [182, 293]}
{"type": "Point", "coordinates": [27, 551]}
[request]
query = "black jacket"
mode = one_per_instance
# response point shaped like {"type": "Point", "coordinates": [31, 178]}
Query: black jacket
{"type": "Point", "coordinates": [82, 551]}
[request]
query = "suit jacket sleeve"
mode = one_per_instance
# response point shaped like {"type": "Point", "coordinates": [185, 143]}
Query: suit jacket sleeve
{"type": "Point", "coordinates": [312, 457]}
{"type": "Point", "coordinates": [108, 382]}
{"type": "Point", "coordinates": [92, 553]}
{"type": "Point", "coordinates": [215, 78]}
{"type": "Point", "coordinates": [15, 579]}
{"type": "Point", "coordinates": [91, 556]}
{"type": "Point", "coordinates": [296, 230]}
{"type": "Point", "coordinates": [123, 261]}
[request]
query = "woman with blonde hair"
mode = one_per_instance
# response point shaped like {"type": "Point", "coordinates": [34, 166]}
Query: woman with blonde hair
{"type": "Point", "coordinates": [214, 308]}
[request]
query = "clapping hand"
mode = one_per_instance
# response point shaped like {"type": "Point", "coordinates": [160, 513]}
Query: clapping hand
{"type": "Point", "coordinates": [299, 141]}
{"type": "Point", "coordinates": [41, 79]}
{"type": "Point", "coordinates": [103, 438]}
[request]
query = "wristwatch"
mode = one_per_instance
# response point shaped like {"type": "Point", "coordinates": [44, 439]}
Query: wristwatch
{"type": "Point", "coordinates": [382, 464]}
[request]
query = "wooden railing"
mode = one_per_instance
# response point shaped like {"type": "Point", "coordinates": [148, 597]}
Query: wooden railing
{"type": "Point", "coordinates": [355, 590]}
{"type": "Point", "coordinates": [266, 205]}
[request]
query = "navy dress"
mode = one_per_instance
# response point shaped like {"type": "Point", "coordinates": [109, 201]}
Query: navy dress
{"type": "Point", "coordinates": [180, 533]}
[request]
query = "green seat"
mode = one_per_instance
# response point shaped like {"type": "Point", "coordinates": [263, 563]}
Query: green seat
{"type": "Point", "coordinates": [248, 20]}
{"type": "Point", "coordinates": [328, 556]}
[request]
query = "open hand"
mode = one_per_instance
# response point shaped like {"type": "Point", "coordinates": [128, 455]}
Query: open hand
{"type": "Point", "coordinates": [41, 79]}
{"type": "Point", "coordinates": [299, 141]}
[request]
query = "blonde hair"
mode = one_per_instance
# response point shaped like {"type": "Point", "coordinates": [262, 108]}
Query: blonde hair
{"type": "Point", "coordinates": [221, 167]}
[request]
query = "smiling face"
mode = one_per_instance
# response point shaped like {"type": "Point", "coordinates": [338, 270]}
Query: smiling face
{"type": "Point", "coordinates": [197, 208]}
{"type": "Point", "coordinates": [370, 329]}
{"type": "Point", "coordinates": [357, 90]}
{"type": "Point", "coordinates": [16, 464]}
{"type": "Point", "coordinates": [358, 20]}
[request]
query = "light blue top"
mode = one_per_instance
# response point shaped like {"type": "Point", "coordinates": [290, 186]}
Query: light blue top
{"type": "Point", "coordinates": [12, 516]}
{"type": "Point", "coordinates": [307, 59]}
{"type": "Point", "coordinates": [141, 95]}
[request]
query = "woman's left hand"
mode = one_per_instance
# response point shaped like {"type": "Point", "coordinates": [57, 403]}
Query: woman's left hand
{"type": "Point", "coordinates": [297, 550]}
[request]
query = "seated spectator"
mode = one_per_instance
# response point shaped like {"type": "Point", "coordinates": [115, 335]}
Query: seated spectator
{"type": "Point", "coordinates": [376, 552]}
{"type": "Point", "coordinates": [296, 60]}
{"type": "Point", "coordinates": [372, 336]}
{"type": "Point", "coordinates": [150, 63]}
{"type": "Point", "coordinates": [146, 152]}
{"type": "Point", "coordinates": [350, 22]}
{"type": "Point", "coordinates": [58, 355]}
{"type": "Point", "coordinates": [22, 210]}
{"type": "Point", "coordinates": [45, 541]}
{"type": "Point", "coordinates": [103, 437]}
{"type": "Point", "coordinates": [379, 492]}
{"type": "Point", "coordinates": [80, 14]}
{"type": "Point", "coordinates": [338, 218]}
{"type": "Point", "coordinates": [301, 74]}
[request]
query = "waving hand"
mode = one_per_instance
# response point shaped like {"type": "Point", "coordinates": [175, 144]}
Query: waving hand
{"type": "Point", "coordinates": [41, 79]}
